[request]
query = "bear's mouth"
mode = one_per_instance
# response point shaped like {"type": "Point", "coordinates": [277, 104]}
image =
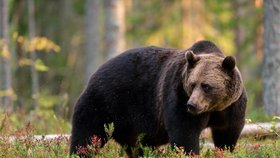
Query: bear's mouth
{"type": "Point", "coordinates": [194, 111]}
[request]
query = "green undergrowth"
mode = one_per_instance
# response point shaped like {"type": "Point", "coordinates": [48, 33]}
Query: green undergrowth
{"type": "Point", "coordinates": [17, 139]}
{"type": "Point", "coordinates": [44, 122]}
{"type": "Point", "coordinates": [258, 115]}
{"type": "Point", "coordinates": [23, 147]}
{"type": "Point", "coordinates": [21, 143]}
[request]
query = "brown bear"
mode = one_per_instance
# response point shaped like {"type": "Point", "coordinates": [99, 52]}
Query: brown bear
{"type": "Point", "coordinates": [168, 95]}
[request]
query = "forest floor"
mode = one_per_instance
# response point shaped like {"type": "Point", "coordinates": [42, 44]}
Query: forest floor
{"type": "Point", "coordinates": [18, 140]}
{"type": "Point", "coordinates": [23, 147]}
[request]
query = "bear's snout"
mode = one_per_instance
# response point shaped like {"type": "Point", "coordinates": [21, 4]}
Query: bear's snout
{"type": "Point", "coordinates": [192, 107]}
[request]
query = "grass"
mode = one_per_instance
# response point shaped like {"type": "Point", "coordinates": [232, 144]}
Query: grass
{"type": "Point", "coordinates": [24, 146]}
{"type": "Point", "coordinates": [17, 141]}
{"type": "Point", "coordinates": [258, 115]}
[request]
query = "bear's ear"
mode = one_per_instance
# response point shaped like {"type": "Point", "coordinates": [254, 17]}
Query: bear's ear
{"type": "Point", "coordinates": [191, 57]}
{"type": "Point", "coordinates": [229, 63]}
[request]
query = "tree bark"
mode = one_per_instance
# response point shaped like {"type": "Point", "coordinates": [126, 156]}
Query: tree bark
{"type": "Point", "coordinates": [92, 37]}
{"type": "Point", "coordinates": [6, 85]}
{"type": "Point", "coordinates": [34, 73]}
{"type": "Point", "coordinates": [271, 63]}
{"type": "Point", "coordinates": [114, 27]}
{"type": "Point", "coordinates": [239, 30]}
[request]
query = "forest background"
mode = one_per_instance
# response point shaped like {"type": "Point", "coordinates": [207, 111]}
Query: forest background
{"type": "Point", "coordinates": [50, 48]}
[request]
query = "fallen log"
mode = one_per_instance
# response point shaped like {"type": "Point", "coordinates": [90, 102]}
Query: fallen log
{"type": "Point", "coordinates": [255, 129]}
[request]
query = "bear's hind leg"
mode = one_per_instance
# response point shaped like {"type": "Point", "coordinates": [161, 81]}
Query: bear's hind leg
{"type": "Point", "coordinates": [127, 137]}
{"type": "Point", "coordinates": [86, 124]}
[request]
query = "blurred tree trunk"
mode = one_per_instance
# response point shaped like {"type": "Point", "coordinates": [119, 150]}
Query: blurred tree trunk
{"type": "Point", "coordinates": [241, 35]}
{"type": "Point", "coordinates": [34, 73]}
{"type": "Point", "coordinates": [6, 85]}
{"type": "Point", "coordinates": [240, 29]}
{"type": "Point", "coordinates": [259, 30]}
{"type": "Point", "coordinates": [247, 28]}
{"type": "Point", "coordinates": [271, 63]}
{"type": "Point", "coordinates": [92, 39]}
{"type": "Point", "coordinates": [114, 27]}
{"type": "Point", "coordinates": [193, 21]}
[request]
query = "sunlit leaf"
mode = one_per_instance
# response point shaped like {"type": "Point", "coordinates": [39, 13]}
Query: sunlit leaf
{"type": "Point", "coordinates": [5, 52]}
{"type": "Point", "coordinates": [40, 66]}
{"type": "Point", "coordinates": [24, 62]}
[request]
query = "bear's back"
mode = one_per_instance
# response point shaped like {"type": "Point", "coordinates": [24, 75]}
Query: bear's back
{"type": "Point", "coordinates": [135, 67]}
{"type": "Point", "coordinates": [129, 80]}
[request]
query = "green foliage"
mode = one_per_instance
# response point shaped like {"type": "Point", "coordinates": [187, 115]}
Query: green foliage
{"type": "Point", "coordinates": [109, 129]}
{"type": "Point", "coordinates": [264, 148]}
{"type": "Point", "coordinates": [78, 6]}
{"type": "Point", "coordinates": [220, 15]}
{"type": "Point", "coordinates": [17, 132]}
{"type": "Point", "coordinates": [25, 147]}
{"type": "Point", "coordinates": [258, 115]}
{"type": "Point", "coordinates": [40, 66]}
{"type": "Point", "coordinates": [155, 29]}
{"type": "Point", "coordinates": [44, 121]}
{"type": "Point", "coordinates": [17, 140]}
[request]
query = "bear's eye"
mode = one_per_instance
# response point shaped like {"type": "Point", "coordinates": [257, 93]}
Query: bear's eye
{"type": "Point", "coordinates": [206, 88]}
{"type": "Point", "coordinates": [192, 86]}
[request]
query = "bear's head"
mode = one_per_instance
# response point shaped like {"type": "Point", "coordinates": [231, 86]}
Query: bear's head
{"type": "Point", "coordinates": [212, 82]}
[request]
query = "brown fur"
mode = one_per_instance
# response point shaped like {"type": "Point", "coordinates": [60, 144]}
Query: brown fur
{"type": "Point", "coordinates": [206, 71]}
{"type": "Point", "coordinates": [149, 91]}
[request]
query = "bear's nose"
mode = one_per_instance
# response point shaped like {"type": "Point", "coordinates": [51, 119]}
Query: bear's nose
{"type": "Point", "coordinates": [191, 107]}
